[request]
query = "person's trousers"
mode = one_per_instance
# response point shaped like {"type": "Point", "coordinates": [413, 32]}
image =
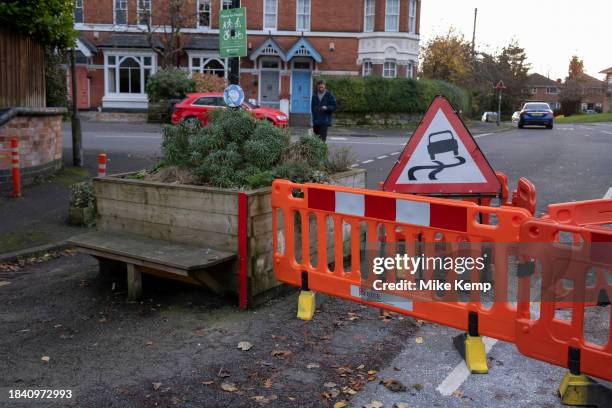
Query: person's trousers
{"type": "Point", "coordinates": [321, 131]}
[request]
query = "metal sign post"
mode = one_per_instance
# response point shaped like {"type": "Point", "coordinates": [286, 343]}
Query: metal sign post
{"type": "Point", "coordinates": [500, 87]}
{"type": "Point", "coordinates": [233, 38]}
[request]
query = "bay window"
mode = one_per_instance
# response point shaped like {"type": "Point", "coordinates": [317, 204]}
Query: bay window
{"type": "Point", "coordinates": [389, 69]}
{"type": "Point", "coordinates": [128, 74]}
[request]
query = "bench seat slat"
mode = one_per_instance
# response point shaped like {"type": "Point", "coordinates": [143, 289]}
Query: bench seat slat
{"type": "Point", "coordinates": [151, 251]}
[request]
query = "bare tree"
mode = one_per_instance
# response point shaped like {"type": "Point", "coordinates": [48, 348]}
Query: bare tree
{"type": "Point", "coordinates": [163, 24]}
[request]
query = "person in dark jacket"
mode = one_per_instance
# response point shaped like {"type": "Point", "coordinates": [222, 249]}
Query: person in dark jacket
{"type": "Point", "coordinates": [322, 106]}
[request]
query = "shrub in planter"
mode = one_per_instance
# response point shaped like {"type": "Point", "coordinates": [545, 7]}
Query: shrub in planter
{"type": "Point", "coordinates": [81, 204]}
{"type": "Point", "coordinates": [237, 151]}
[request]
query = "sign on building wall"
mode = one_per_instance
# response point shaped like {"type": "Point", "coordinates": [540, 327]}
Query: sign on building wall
{"type": "Point", "coordinates": [232, 33]}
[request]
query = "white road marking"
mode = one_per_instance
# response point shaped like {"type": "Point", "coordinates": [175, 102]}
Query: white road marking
{"type": "Point", "coordinates": [608, 193]}
{"type": "Point", "coordinates": [460, 373]}
{"type": "Point", "coordinates": [369, 143]}
{"type": "Point", "coordinates": [382, 157]}
{"type": "Point", "coordinates": [354, 165]}
{"type": "Point", "coordinates": [394, 153]}
{"type": "Point", "coordinates": [337, 138]}
{"type": "Point", "coordinates": [483, 135]}
{"type": "Point", "coordinates": [367, 161]}
{"type": "Point", "coordinates": [606, 132]}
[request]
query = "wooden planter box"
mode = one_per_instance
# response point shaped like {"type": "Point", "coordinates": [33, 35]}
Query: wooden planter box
{"type": "Point", "coordinates": [197, 215]}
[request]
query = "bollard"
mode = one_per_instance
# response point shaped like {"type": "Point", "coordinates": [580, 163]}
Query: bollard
{"type": "Point", "coordinates": [102, 165]}
{"type": "Point", "coordinates": [15, 164]}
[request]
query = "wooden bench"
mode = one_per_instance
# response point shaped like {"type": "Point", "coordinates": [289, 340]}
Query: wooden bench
{"type": "Point", "coordinates": [161, 258]}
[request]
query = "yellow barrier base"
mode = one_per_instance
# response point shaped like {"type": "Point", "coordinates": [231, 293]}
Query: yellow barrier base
{"type": "Point", "coordinates": [306, 305]}
{"type": "Point", "coordinates": [472, 349]}
{"type": "Point", "coordinates": [580, 390]}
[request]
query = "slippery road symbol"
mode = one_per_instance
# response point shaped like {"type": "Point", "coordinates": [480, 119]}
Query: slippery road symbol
{"type": "Point", "coordinates": [439, 142]}
{"type": "Point", "coordinates": [436, 168]}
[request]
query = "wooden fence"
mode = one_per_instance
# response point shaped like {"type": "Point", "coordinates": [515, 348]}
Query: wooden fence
{"type": "Point", "coordinates": [22, 71]}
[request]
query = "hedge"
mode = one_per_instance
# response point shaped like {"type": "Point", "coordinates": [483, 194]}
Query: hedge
{"type": "Point", "coordinates": [374, 94]}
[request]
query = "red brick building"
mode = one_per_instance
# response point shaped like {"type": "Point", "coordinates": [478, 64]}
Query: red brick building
{"type": "Point", "coordinates": [543, 89]}
{"type": "Point", "coordinates": [289, 41]}
{"type": "Point", "coordinates": [607, 106]}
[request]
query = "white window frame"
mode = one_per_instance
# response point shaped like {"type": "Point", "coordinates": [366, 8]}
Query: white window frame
{"type": "Point", "coordinates": [386, 70]}
{"type": "Point", "coordinates": [119, 57]}
{"type": "Point", "coordinates": [308, 15]}
{"type": "Point", "coordinates": [367, 69]}
{"type": "Point", "coordinates": [115, 9]}
{"type": "Point", "coordinates": [369, 16]}
{"type": "Point", "coordinates": [76, 6]}
{"type": "Point", "coordinates": [410, 69]}
{"type": "Point", "coordinates": [265, 7]}
{"type": "Point", "coordinates": [205, 59]}
{"type": "Point", "coordinates": [198, 12]}
{"type": "Point", "coordinates": [412, 12]}
{"type": "Point", "coordinates": [554, 91]}
{"type": "Point", "coordinates": [389, 16]}
{"type": "Point", "coordinates": [140, 9]}
{"type": "Point", "coordinates": [533, 90]}
{"type": "Point", "coordinates": [224, 2]}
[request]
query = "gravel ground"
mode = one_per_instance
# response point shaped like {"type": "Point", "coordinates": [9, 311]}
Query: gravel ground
{"type": "Point", "coordinates": [178, 346]}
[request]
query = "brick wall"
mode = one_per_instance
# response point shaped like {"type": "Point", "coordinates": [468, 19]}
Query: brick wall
{"type": "Point", "coordinates": [40, 146]}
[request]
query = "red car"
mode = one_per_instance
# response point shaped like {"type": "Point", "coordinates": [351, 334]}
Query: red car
{"type": "Point", "coordinates": [197, 105]}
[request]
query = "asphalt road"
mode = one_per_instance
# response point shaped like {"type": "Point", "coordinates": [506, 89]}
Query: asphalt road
{"type": "Point", "coordinates": [568, 163]}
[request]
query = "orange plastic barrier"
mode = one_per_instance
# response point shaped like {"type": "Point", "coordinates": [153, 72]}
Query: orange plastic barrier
{"type": "Point", "coordinates": [322, 233]}
{"type": "Point", "coordinates": [548, 337]}
{"type": "Point", "coordinates": [525, 195]}
{"type": "Point", "coordinates": [354, 212]}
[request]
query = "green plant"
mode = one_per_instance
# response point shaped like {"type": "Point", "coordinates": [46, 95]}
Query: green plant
{"type": "Point", "coordinates": [310, 149]}
{"type": "Point", "coordinates": [55, 78]}
{"type": "Point", "coordinates": [205, 82]}
{"type": "Point", "coordinates": [50, 22]}
{"type": "Point", "coordinates": [374, 94]}
{"type": "Point", "coordinates": [81, 195]}
{"type": "Point", "coordinates": [169, 83]}
{"type": "Point", "coordinates": [340, 159]}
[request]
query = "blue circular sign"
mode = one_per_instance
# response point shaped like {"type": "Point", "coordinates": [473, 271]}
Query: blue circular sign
{"type": "Point", "coordinates": [233, 96]}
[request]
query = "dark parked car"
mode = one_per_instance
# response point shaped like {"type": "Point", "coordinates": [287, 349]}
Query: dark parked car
{"type": "Point", "coordinates": [536, 113]}
{"type": "Point", "coordinates": [443, 145]}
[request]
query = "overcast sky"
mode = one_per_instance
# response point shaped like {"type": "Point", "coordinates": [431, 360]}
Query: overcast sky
{"type": "Point", "coordinates": [551, 31]}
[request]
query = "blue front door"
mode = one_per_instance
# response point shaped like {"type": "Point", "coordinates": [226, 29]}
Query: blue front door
{"type": "Point", "coordinates": [300, 91]}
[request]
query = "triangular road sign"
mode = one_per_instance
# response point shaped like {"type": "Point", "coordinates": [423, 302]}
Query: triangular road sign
{"type": "Point", "coordinates": [442, 158]}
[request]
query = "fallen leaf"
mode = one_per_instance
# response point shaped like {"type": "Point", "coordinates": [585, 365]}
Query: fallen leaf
{"type": "Point", "coordinates": [259, 398]}
{"type": "Point", "coordinates": [310, 366]}
{"type": "Point", "coordinates": [245, 346]}
{"type": "Point", "coordinates": [331, 394]}
{"type": "Point", "coordinates": [267, 383]}
{"type": "Point", "coordinates": [280, 353]}
{"type": "Point", "coordinates": [207, 382]}
{"type": "Point", "coordinates": [360, 367]}
{"type": "Point", "coordinates": [45, 359]}
{"type": "Point", "coordinates": [229, 387]}
{"type": "Point", "coordinates": [400, 405]}
{"type": "Point", "coordinates": [156, 385]}
{"type": "Point", "coordinates": [199, 333]}
{"type": "Point", "coordinates": [457, 393]}
{"type": "Point", "coordinates": [330, 385]}
{"type": "Point", "coordinates": [418, 387]}
{"type": "Point", "coordinates": [341, 404]}
{"type": "Point", "coordinates": [418, 340]}
{"type": "Point", "coordinates": [149, 343]}
{"type": "Point", "coordinates": [393, 385]}
{"type": "Point", "coordinates": [4, 283]}
{"type": "Point", "coordinates": [348, 391]}
{"type": "Point", "coordinates": [374, 404]}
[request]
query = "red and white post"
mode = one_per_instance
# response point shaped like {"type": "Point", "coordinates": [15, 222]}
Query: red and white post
{"type": "Point", "coordinates": [102, 165]}
{"type": "Point", "coordinates": [15, 167]}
